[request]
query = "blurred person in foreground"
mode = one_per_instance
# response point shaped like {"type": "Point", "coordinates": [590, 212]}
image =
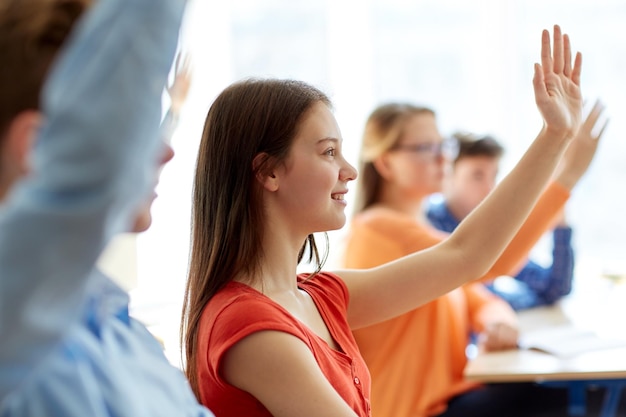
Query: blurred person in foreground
{"type": "Point", "coordinates": [80, 150]}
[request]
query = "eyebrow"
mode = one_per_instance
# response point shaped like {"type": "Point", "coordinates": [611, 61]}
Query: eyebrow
{"type": "Point", "coordinates": [329, 139]}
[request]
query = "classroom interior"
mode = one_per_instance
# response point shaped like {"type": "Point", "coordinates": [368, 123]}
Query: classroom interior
{"type": "Point", "coordinates": [471, 61]}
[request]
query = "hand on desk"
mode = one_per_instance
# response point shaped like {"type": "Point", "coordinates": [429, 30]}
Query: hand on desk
{"type": "Point", "coordinates": [498, 336]}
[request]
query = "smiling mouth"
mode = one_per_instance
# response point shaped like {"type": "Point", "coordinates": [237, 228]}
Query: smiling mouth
{"type": "Point", "coordinates": [338, 197]}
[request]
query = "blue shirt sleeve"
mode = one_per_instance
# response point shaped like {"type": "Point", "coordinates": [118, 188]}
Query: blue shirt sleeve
{"type": "Point", "coordinates": [550, 284]}
{"type": "Point", "coordinates": [440, 217]}
{"type": "Point", "coordinates": [519, 295]}
{"type": "Point", "coordinates": [93, 163]}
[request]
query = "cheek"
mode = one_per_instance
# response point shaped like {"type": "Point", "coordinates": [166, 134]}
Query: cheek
{"type": "Point", "coordinates": [409, 168]}
{"type": "Point", "coordinates": [310, 180]}
{"type": "Point", "coordinates": [431, 172]}
{"type": "Point", "coordinates": [309, 187]}
{"type": "Point", "coordinates": [480, 189]}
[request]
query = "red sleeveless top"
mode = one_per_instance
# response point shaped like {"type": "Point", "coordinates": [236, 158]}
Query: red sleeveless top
{"type": "Point", "coordinates": [239, 310]}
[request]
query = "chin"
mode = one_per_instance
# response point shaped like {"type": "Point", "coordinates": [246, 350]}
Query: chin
{"type": "Point", "coordinates": [337, 224]}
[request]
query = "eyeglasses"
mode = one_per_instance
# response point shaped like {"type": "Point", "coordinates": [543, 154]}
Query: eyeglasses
{"type": "Point", "coordinates": [448, 148]}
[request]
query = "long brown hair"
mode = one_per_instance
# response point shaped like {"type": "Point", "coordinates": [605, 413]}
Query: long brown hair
{"type": "Point", "coordinates": [31, 34]}
{"type": "Point", "coordinates": [249, 118]}
{"type": "Point", "coordinates": [383, 129]}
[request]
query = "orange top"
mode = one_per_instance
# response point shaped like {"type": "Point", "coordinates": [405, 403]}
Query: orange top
{"type": "Point", "coordinates": [417, 359]}
{"type": "Point", "coordinates": [238, 310]}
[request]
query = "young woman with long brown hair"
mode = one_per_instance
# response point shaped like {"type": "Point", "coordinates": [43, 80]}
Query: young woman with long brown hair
{"type": "Point", "coordinates": [261, 340]}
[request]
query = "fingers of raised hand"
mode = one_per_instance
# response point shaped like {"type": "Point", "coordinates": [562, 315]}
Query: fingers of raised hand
{"type": "Point", "coordinates": [185, 67]}
{"type": "Point", "coordinates": [578, 65]}
{"type": "Point", "coordinates": [179, 86]}
{"type": "Point", "coordinates": [557, 58]}
{"type": "Point", "coordinates": [591, 128]}
{"type": "Point", "coordinates": [567, 56]}
{"type": "Point", "coordinates": [539, 84]}
{"type": "Point", "coordinates": [546, 51]}
{"type": "Point", "coordinates": [557, 52]}
{"type": "Point", "coordinates": [601, 132]}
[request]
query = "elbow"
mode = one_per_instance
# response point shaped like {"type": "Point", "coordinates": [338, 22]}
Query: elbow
{"type": "Point", "coordinates": [474, 269]}
{"type": "Point", "coordinates": [566, 291]}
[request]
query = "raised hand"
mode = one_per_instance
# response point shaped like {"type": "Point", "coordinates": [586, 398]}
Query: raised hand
{"type": "Point", "coordinates": [179, 88]}
{"type": "Point", "coordinates": [583, 147]}
{"type": "Point", "coordinates": [557, 85]}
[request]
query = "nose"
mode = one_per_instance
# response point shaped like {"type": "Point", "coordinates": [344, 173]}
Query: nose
{"type": "Point", "coordinates": [348, 172]}
{"type": "Point", "coordinates": [167, 153]}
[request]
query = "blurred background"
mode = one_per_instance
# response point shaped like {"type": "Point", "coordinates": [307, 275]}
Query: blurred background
{"type": "Point", "coordinates": [471, 61]}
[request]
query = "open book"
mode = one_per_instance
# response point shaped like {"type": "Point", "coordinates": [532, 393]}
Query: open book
{"type": "Point", "coordinates": [567, 341]}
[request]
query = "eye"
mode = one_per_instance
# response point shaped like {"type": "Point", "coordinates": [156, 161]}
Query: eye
{"type": "Point", "coordinates": [330, 152]}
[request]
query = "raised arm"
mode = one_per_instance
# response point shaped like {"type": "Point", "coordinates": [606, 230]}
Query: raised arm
{"type": "Point", "coordinates": [573, 165]}
{"type": "Point", "coordinates": [178, 91]}
{"type": "Point", "coordinates": [581, 151]}
{"type": "Point", "coordinates": [554, 282]}
{"type": "Point", "coordinates": [93, 163]}
{"type": "Point", "coordinates": [384, 292]}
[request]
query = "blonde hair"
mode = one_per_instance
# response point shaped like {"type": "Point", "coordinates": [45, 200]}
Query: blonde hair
{"type": "Point", "coordinates": [383, 129]}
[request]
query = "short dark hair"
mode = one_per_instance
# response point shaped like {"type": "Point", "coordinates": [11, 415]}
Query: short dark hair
{"type": "Point", "coordinates": [31, 34]}
{"type": "Point", "coordinates": [471, 144]}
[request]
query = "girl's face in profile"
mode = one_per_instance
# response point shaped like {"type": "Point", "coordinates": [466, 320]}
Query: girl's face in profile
{"type": "Point", "coordinates": [416, 164]}
{"type": "Point", "coordinates": [312, 183]}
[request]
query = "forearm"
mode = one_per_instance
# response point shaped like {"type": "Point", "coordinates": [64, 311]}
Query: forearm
{"type": "Point", "coordinates": [92, 164]}
{"type": "Point", "coordinates": [472, 249]}
{"type": "Point", "coordinates": [482, 236]}
{"type": "Point", "coordinates": [538, 222]}
{"type": "Point", "coordinates": [467, 254]}
{"type": "Point", "coordinates": [557, 95]}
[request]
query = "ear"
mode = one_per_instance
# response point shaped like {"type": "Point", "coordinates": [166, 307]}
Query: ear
{"type": "Point", "coordinates": [267, 179]}
{"type": "Point", "coordinates": [383, 166]}
{"type": "Point", "coordinates": [19, 140]}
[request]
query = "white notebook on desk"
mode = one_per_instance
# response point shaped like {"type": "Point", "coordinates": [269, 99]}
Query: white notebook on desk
{"type": "Point", "coordinates": [567, 341]}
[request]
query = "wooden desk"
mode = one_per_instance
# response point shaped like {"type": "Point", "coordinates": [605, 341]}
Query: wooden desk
{"type": "Point", "coordinates": [529, 365]}
{"type": "Point", "coordinates": [605, 367]}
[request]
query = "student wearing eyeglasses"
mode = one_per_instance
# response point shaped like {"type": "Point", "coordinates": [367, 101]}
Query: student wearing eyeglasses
{"type": "Point", "coordinates": [416, 360]}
